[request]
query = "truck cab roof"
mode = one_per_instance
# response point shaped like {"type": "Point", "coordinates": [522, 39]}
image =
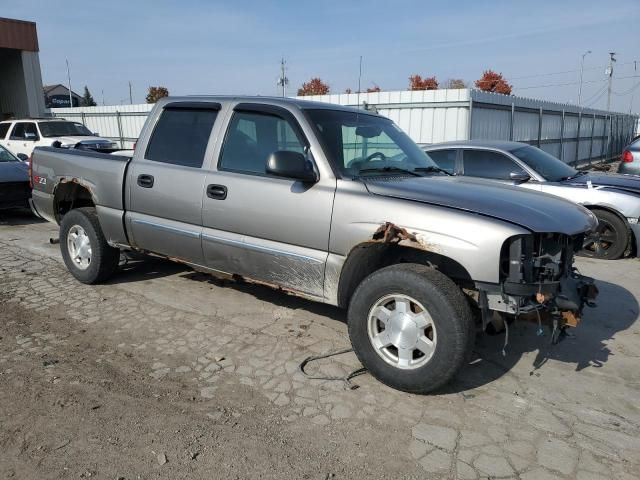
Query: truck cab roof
{"type": "Point", "coordinates": [286, 102]}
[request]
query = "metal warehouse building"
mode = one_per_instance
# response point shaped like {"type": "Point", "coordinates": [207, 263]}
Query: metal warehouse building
{"type": "Point", "coordinates": [566, 131]}
{"type": "Point", "coordinates": [20, 77]}
{"type": "Point", "coordinates": [573, 134]}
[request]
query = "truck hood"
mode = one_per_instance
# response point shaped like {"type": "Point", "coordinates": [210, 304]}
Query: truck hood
{"type": "Point", "coordinates": [13, 172]}
{"type": "Point", "coordinates": [617, 181]}
{"type": "Point", "coordinates": [89, 141]}
{"type": "Point", "coordinates": [534, 211]}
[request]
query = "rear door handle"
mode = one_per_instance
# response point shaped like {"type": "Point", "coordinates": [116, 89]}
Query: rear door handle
{"type": "Point", "coordinates": [217, 192]}
{"type": "Point", "coordinates": [145, 181]}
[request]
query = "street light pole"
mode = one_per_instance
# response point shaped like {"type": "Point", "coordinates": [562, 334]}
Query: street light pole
{"type": "Point", "coordinates": [69, 80]}
{"type": "Point", "coordinates": [581, 72]}
{"type": "Point", "coordinates": [612, 59]}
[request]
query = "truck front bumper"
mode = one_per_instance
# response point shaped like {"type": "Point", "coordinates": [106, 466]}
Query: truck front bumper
{"type": "Point", "coordinates": [559, 303]}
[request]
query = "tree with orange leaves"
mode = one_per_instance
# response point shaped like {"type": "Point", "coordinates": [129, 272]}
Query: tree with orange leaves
{"type": "Point", "coordinates": [416, 82]}
{"type": "Point", "coordinates": [493, 82]}
{"type": "Point", "coordinates": [315, 86]}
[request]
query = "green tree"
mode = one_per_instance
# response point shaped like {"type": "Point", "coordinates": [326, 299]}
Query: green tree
{"type": "Point", "coordinates": [455, 83]}
{"type": "Point", "coordinates": [156, 93]}
{"type": "Point", "coordinates": [87, 98]}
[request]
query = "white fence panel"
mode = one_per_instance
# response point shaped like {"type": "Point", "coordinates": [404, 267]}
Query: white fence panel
{"type": "Point", "coordinates": [432, 116]}
{"type": "Point", "coordinates": [117, 122]}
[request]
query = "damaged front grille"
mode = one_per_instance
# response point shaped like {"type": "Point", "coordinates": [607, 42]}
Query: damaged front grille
{"type": "Point", "coordinates": [540, 259]}
{"type": "Point", "coordinates": [537, 272]}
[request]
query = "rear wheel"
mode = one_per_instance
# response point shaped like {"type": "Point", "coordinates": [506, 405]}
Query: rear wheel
{"type": "Point", "coordinates": [84, 248]}
{"type": "Point", "coordinates": [411, 327]}
{"type": "Point", "coordinates": [610, 239]}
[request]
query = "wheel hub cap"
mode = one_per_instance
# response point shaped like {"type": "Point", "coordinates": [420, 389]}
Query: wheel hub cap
{"type": "Point", "coordinates": [79, 247]}
{"type": "Point", "coordinates": [402, 331]}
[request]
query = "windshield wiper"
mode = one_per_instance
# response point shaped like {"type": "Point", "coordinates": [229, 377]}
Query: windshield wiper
{"type": "Point", "coordinates": [576, 175]}
{"type": "Point", "coordinates": [389, 169]}
{"type": "Point", "coordinates": [433, 168]}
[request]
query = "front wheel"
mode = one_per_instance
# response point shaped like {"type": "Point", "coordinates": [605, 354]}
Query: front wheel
{"type": "Point", "coordinates": [411, 327]}
{"type": "Point", "coordinates": [84, 248]}
{"type": "Point", "coordinates": [610, 239]}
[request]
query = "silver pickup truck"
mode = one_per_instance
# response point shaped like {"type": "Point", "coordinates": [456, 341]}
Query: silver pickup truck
{"type": "Point", "coordinates": [330, 203]}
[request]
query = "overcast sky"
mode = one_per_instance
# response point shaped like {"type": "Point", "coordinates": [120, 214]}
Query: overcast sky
{"type": "Point", "coordinates": [209, 47]}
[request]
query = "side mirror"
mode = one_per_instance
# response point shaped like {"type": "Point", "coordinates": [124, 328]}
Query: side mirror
{"type": "Point", "coordinates": [96, 134]}
{"type": "Point", "coordinates": [519, 177]}
{"type": "Point", "coordinates": [287, 164]}
{"type": "Point", "coordinates": [23, 157]}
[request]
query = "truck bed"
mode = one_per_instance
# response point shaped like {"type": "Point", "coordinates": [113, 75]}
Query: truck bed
{"type": "Point", "coordinates": [101, 174]}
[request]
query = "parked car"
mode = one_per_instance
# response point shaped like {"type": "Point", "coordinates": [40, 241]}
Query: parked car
{"type": "Point", "coordinates": [614, 199]}
{"type": "Point", "coordinates": [22, 136]}
{"type": "Point", "coordinates": [630, 163]}
{"type": "Point", "coordinates": [330, 203]}
{"type": "Point", "coordinates": [14, 181]}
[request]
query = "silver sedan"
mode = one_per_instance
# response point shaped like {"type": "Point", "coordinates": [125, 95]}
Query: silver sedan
{"type": "Point", "coordinates": [631, 158]}
{"type": "Point", "coordinates": [613, 198]}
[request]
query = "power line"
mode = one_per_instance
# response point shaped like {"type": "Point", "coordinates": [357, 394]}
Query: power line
{"type": "Point", "coordinates": [563, 84]}
{"type": "Point", "coordinates": [628, 91]}
{"type": "Point", "coordinates": [599, 92]}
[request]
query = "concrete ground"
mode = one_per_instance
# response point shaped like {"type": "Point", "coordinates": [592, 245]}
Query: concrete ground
{"type": "Point", "coordinates": [167, 373]}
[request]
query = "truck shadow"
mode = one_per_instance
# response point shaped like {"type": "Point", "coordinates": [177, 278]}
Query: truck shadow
{"type": "Point", "coordinates": [135, 267]}
{"type": "Point", "coordinates": [585, 347]}
{"type": "Point", "coordinates": [272, 295]}
{"type": "Point", "coordinates": [19, 216]}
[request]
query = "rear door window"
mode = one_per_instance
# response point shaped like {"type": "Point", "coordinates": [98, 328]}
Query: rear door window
{"type": "Point", "coordinates": [446, 159]}
{"type": "Point", "coordinates": [4, 128]}
{"type": "Point", "coordinates": [488, 164]}
{"type": "Point", "coordinates": [25, 131]}
{"type": "Point", "coordinates": [181, 136]}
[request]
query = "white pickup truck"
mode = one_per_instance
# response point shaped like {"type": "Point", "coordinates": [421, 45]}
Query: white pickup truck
{"type": "Point", "coordinates": [21, 136]}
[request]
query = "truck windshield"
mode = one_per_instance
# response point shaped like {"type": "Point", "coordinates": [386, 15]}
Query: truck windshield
{"type": "Point", "coordinates": [361, 144]}
{"type": "Point", "coordinates": [548, 166]}
{"type": "Point", "coordinates": [7, 156]}
{"type": "Point", "coordinates": [62, 129]}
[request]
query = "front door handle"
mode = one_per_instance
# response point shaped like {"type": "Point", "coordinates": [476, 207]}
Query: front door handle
{"type": "Point", "coordinates": [217, 192]}
{"type": "Point", "coordinates": [145, 181]}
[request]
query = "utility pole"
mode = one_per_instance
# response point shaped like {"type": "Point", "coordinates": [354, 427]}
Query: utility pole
{"type": "Point", "coordinates": [359, 80]}
{"type": "Point", "coordinates": [283, 81]}
{"type": "Point", "coordinates": [581, 72]}
{"type": "Point", "coordinates": [103, 96]}
{"type": "Point", "coordinates": [633, 92]}
{"type": "Point", "coordinates": [130, 96]}
{"type": "Point", "coordinates": [609, 71]}
{"type": "Point", "coordinates": [69, 84]}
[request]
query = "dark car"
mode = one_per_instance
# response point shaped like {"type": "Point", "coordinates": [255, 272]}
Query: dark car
{"type": "Point", "coordinates": [630, 163]}
{"type": "Point", "coordinates": [614, 199]}
{"type": "Point", "coordinates": [15, 191]}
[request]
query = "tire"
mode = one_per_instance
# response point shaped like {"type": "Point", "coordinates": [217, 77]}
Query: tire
{"type": "Point", "coordinates": [611, 238]}
{"type": "Point", "coordinates": [96, 260]}
{"type": "Point", "coordinates": [451, 332]}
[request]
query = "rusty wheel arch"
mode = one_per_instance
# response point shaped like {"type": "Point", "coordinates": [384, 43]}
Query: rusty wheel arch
{"type": "Point", "coordinates": [69, 194]}
{"type": "Point", "coordinates": [392, 245]}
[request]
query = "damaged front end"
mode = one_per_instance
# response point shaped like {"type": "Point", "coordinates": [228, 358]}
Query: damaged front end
{"type": "Point", "coordinates": [539, 282]}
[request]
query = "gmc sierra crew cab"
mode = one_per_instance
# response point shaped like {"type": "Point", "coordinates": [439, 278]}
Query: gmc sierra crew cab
{"type": "Point", "coordinates": [330, 203]}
